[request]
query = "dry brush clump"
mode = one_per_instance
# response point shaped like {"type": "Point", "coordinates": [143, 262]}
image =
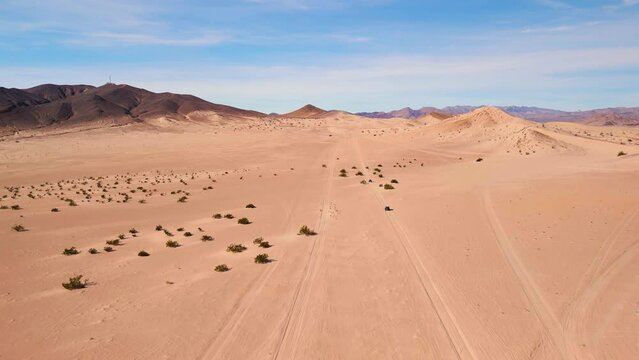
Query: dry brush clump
{"type": "Point", "coordinates": [143, 253]}
{"type": "Point", "coordinates": [19, 228]}
{"type": "Point", "coordinates": [235, 248]}
{"type": "Point", "coordinates": [70, 251]}
{"type": "Point", "coordinates": [75, 283]}
{"type": "Point", "coordinates": [262, 259]}
{"type": "Point", "coordinates": [207, 238]}
{"type": "Point", "coordinates": [244, 221]}
{"type": "Point", "coordinates": [222, 268]}
{"type": "Point", "coordinates": [306, 231]}
{"type": "Point", "coordinates": [172, 244]}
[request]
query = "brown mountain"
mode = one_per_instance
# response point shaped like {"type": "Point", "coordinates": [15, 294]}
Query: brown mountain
{"type": "Point", "coordinates": [307, 112]}
{"type": "Point", "coordinates": [79, 104]}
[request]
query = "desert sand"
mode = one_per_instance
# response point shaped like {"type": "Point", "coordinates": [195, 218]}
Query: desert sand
{"type": "Point", "coordinates": [505, 239]}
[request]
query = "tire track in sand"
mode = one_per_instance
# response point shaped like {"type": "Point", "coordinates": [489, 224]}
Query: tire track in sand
{"type": "Point", "coordinates": [287, 344]}
{"type": "Point", "coordinates": [456, 338]}
{"type": "Point", "coordinates": [544, 313]}
{"type": "Point", "coordinates": [229, 330]}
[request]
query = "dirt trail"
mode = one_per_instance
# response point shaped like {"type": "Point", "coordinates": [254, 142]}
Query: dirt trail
{"type": "Point", "coordinates": [446, 318]}
{"type": "Point", "coordinates": [288, 342]}
{"type": "Point", "coordinates": [232, 326]}
{"type": "Point", "coordinates": [542, 309]}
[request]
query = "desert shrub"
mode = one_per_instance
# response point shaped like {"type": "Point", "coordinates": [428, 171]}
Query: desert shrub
{"type": "Point", "coordinates": [108, 249]}
{"type": "Point", "coordinates": [306, 231]}
{"type": "Point", "coordinates": [93, 251]}
{"type": "Point", "coordinates": [229, 216]}
{"type": "Point", "coordinates": [72, 202]}
{"type": "Point", "coordinates": [70, 251]}
{"type": "Point", "coordinates": [158, 228]}
{"type": "Point", "coordinates": [359, 173]}
{"type": "Point", "coordinates": [4, 207]}
{"type": "Point", "coordinates": [115, 242]}
{"type": "Point", "coordinates": [394, 181]}
{"type": "Point", "coordinates": [258, 240]}
{"type": "Point", "coordinates": [180, 229]}
{"type": "Point", "coordinates": [235, 248]}
{"type": "Point", "coordinates": [207, 238]}
{"type": "Point", "coordinates": [363, 182]}
{"type": "Point", "coordinates": [380, 175]}
{"type": "Point", "coordinates": [222, 268]}
{"type": "Point", "coordinates": [262, 259]}
{"type": "Point", "coordinates": [479, 160]}
{"type": "Point", "coordinates": [243, 221]}
{"type": "Point", "coordinates": [19, 228]}
{"type": "Point", "coordinates": [55, 210]}
{"type": "Point", "coordinates": [143, 253]}
{"type": "Point", "coordinates": [265, 244]}
{"type": "Point", "coordinates": [343, 175]}
{"type": "Point", "coordinates": [183, 199]}
{"type": "Point", "coordinates": [133, 231]}
{"type": "Point", "coordinates": [16, 207]}
{"type": "Point", "coordinates": [250, 206]}
{"type": "Point", "coordinates": [343, 171]}
{"type": "Point", "coordinates": [172, 243]}
{"type": "Point", "coordinates": [388, 187]}
{"type": "Point", "coordinates": [187, 234]}
{"type": "Point", "coordinates": [167, 232]}
{"type": "Point", "coordinates": [121, 237]}
{"type": "Point", "coordinates": [75, 283]}
{"type": "Point", "coordinates": [217, 216]}
{"type": "Point", "coordinates": [621, 153]}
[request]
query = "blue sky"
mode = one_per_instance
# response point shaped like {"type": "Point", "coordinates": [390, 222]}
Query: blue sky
{"type": "Point", "coordinates": [357, 55]}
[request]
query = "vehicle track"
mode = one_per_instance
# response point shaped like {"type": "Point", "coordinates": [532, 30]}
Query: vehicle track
{"type": "Point", "coordinates": [451, 327]}
{"type": "Point", "coordinates": [544, 313]}
{"type": "Point", "coordinates": [248, 297]}
{"type": "Point", "coordinates": [288, 342]}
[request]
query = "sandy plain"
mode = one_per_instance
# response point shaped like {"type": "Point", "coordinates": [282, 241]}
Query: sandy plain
{"type": "Point", "coordinates": [530, 253]}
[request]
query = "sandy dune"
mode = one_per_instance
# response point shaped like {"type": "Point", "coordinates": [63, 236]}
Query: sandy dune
{"type": "Point", "coordinates": [507, 239]}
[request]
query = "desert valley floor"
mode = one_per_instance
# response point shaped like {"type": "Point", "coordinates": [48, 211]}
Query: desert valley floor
{"type": "Point", "coordinates": [506, 239]}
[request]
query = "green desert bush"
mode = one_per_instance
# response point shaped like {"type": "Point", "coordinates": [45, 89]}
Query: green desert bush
{"type": "Point", "coordinates": [250, 206]}
{"type": "Point", "coordinates": [235, 248]}
{"type": "Point", "coordinates": [115, 242]}
{"type": "Point", "coordinates": [388, 187]}
{"type": "Point", "coordinates": [70, 251]}
{"type": "Point", "coordinates": [180, 229]}
{"type": "Point", "coordinates": [16, 207]}
{"type": "Point", "coordinates": [306, 231]}
{"type": "Point", "coordinates": [207, 238]}
{"type": "Point", "coordinates": [121, 237]}
{"type": "Point", "coordinates": [479, 160]}
{"type": "Point", "coordinates": [143, 253]}
{"type": "Point", "coordinates": [75, 283]}
{"type": "Point", "coordinates": [158, 228]}
{"type": "Point", "coordinates": [265, 244]}
{"type": "Point", "coordinates": [394, 181]}
{"type": "Point", "coordinates": [258, 240]}
{"type": "Point", "coordinates": [229, 216]}
{"type": "Point", "coordinates": [183, 199]}
{"type": "Point", "coordinates": [167, 232]}
{"type": "Point", "coordinates": [222, 268]}
{"type": "Point", "coordinates": [621, 153]}
{"type": "Point", "coordinates": [359, 173]}
{"type": "Point", "coordinates": [262, 259]}
{"type": "Point", "coordinates": [55, 210]}
{"type": "Point", "coordinates": [172, 243]}
{"type": "Point", "coordinates": [108, 249]}
{"type": "Point", "coordinates": [243, 221]}
{"type": "Point", "coordinates": [187, 234]}
{"type": "Point", "coordinates": [133, 231]}
{"type": "Point", "coordinates": [217, 216]}
{"type": "Point", "coordinates": [93, 251]}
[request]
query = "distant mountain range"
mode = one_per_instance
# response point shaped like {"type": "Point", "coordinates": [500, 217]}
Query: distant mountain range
{"type": "Point", "coordinates": [608, 116]}
{"type": "Point", "coordinates": [119, 104]}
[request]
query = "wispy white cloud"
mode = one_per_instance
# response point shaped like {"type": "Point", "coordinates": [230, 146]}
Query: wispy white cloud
{"type": "Point", "coordinates": [111, 38]}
